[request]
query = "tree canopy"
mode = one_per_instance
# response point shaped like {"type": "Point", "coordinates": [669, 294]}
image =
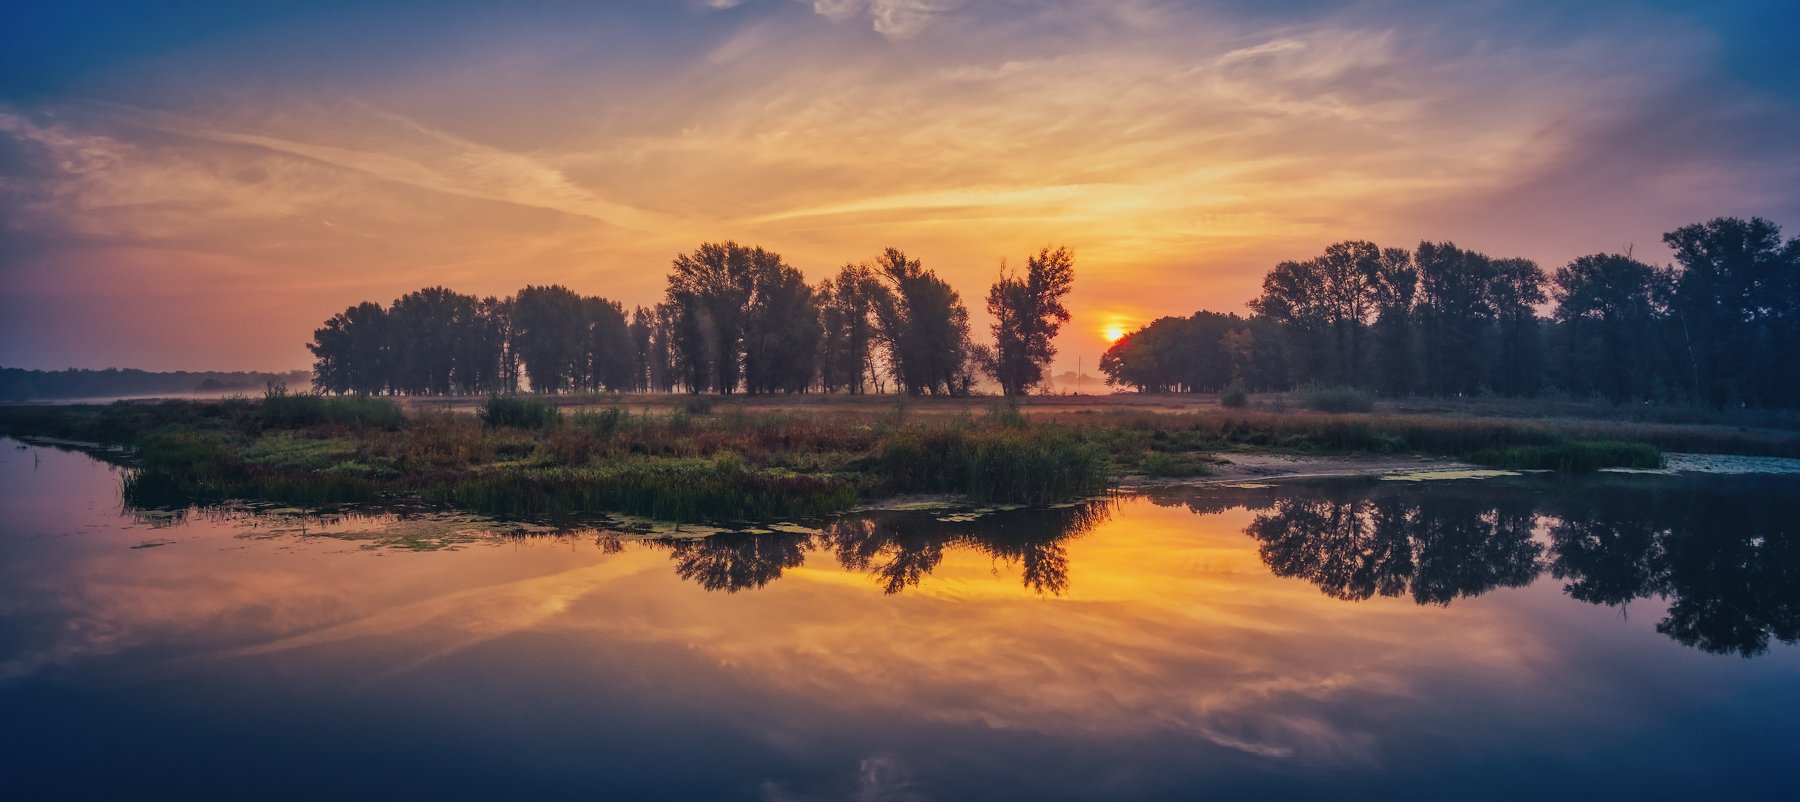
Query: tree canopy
{"type": "Point", "coordinates": [1719, 326]}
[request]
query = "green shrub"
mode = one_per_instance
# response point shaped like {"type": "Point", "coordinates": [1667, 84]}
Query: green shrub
{"type": "Point", "coordinates": [678, 489]}
{"type": "Point", "coordinates": [1337, 399]}
{"type": "Point", "coordinates": [1008, 414]}
{"type": "Point", "coordinates": [517, 412]}
{"type": "Point", "coordinates": [280, 409]}
{"type": "Point", "coordinates": [604, 421]}
{"type": "Point", "coordinates": [1036, 465]}
{"type": "Point", "coordinates": [1169, 465]}
{"type": "Point", "coordinates": [1234, 396]}
{"type": "Point", "coordinates": [189, 457]}
{"type": "Point", "coordinates": [365, 410]}
{"type": "Point", "coordinates": [1571, 457]}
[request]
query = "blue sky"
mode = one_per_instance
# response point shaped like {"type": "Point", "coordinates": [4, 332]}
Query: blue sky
{"type": "Point", "coordinates": [196, 185]}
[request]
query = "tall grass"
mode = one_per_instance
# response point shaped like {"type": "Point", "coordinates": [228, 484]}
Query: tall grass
{"type": "Point", "coordinates": [184, 468]}
{"type": "Point", "coordinates": [1337, 399]}
{"type": "Point", "coordinates": [1570, 457]}
{"type": "Point", "coordinates": [282, 410]}
{"type": "Point", "coordinates": [669, 489]}
{"type": "Point", "coordinates": [521, 457]}
{"type": "Point", "coordinates": [605, 421]}
{"type": "Point", "coordinates": [1010, 464]}
{"type": "Point", "coordinates": [518, 412]}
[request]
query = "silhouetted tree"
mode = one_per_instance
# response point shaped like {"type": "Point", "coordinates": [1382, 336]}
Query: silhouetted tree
{"type": "Point", "coordinates": [1454, 310]}
{"type": "Point", "coordinates": [710, 291]}
{"type": "Point", "coordinates": [1174, 354]}
{"type": "Point", "coordinates": [1394, 287]}
{"type": "Point", "coordinates": [426, 332]}
{"type": "Point", "coordinates": [1028, 312]}
{"type": "Point", "coordinates": [350, 351]}
{"type": "Point", "coordinates": [781, 332]}
{"type": "Point", "coordinates": [1147, 359]}
{"type": "Point", "coordinates": [1721, 327]}
{"type": "Point", "coordinates": [848, 315]}
{"type": "Point", "coordinates": [492, 364]}
{"type": "Point", "coordinates": [549, 335]}
{"type": "Point", "coordinates": [1607, 312]}
{"type": "Point", "coordinates": [661, 357]}
{"type": "Point", "coordinates": [1515, 292]}
{"type": "Point", "coordinates": [1737, 300]}
{"type": "Point", "coordinates": [1293, 295]}
{"type": "Point", "coordinates": [606, 358]}
{"type": "Point", "coordinates": [1326, 303]}
{"type": "Point", "coordinates": [643, 322]}
{"type": "Point", "coordinates": [924, 326]}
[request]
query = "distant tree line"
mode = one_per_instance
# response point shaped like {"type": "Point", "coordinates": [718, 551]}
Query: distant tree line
{"type": "Point", "coordinates": [19, 384]}
{"type": "Point", "coordinates": [733, 319]}
{"type": "Point", "coordinates": [1720, 326]}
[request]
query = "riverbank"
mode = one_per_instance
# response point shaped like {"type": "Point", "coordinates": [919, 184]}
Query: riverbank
{"type": "Point", "coordinates": [685, 458]}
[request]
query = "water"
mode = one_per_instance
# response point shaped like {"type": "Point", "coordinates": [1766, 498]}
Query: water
{"type": "Point", "coordinates": [1498, 638]}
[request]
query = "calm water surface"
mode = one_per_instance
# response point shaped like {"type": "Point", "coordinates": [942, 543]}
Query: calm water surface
{"type": "Point", "coordinates": [1624, 637]}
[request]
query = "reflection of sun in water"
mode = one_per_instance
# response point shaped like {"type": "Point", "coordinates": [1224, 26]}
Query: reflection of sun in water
{"type": "Point", "coordinates": [1113, 333]}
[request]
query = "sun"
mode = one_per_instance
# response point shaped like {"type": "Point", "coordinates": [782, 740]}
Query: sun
{"type": "Point", "coordinates": [1113, 333]}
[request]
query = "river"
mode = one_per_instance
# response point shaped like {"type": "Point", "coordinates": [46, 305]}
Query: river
{"type": "Point", "coordinates": [1496, 638]}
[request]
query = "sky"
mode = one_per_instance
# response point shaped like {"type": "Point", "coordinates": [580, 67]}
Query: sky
{"type": "Point", "coordinates": [199, 185]}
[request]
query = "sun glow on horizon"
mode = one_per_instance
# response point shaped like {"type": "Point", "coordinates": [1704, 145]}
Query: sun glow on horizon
{"type": "Point", "coordinates": [1180, 149]}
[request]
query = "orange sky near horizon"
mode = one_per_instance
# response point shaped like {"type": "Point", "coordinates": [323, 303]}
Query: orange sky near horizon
{"type": "Point", "coordinates": [166, 211]}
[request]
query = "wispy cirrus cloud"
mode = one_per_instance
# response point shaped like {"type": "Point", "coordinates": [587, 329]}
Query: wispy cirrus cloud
{"type": "Point", "coordinates": [895, 19]}
{"type": "Point", "coordinates": [1180, 149]}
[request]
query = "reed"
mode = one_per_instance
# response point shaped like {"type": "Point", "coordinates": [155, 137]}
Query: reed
{"type": "Point", "coordinates": [1572, 457]}
{"type": "Point", "coordinates": [520, 456]}
{"type": "Point", "coordinates": [519, 412]}
{"type": "Point", "coordinates": [668, 489]}
{"type": "Point", "coordinates": [1014, 464]}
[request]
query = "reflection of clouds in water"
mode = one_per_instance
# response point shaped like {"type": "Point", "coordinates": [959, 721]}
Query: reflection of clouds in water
{"type": "Point", "coordinates": [1154, 622]}
{"type": "Point", "coordinates": [1141, 644]}
{"type": "Point", "coordinates": [878, 778]}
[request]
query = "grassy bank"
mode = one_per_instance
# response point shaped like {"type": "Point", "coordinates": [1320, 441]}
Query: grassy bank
{"type": "Point", "coordinates": [520, 456]}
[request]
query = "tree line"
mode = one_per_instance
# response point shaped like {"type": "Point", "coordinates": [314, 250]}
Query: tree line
{"type": "Point", "coordinates": [1720, 326]}
{"type": "Point", "coordinates": [19, 384]}
{"type": "Point", "coordinates": [734, 318]}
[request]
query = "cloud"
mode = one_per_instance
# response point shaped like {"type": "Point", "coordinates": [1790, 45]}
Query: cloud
{"type": "Point", "coordinates": [895, 19]}
{"type": "Point", "coordinates": [1181, 149]}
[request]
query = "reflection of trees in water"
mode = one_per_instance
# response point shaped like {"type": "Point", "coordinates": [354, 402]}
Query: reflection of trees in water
{"type": "Point", "coordinates": [1725, 554]}
{"type": "Point", "coordinates": [1727, 561]}
{"type": "Point", "coordinates": [897, 552]}
{"type": "Point", "coordinates": [734, 561]}
{"type": "Point", "coordinates": [900, 549]}
{"type": "Point", "coordinates": [1434, 549]}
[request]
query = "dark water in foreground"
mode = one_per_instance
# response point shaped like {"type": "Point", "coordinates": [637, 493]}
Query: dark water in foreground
{"type": "Point", "coordinates": [1620, 638]}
